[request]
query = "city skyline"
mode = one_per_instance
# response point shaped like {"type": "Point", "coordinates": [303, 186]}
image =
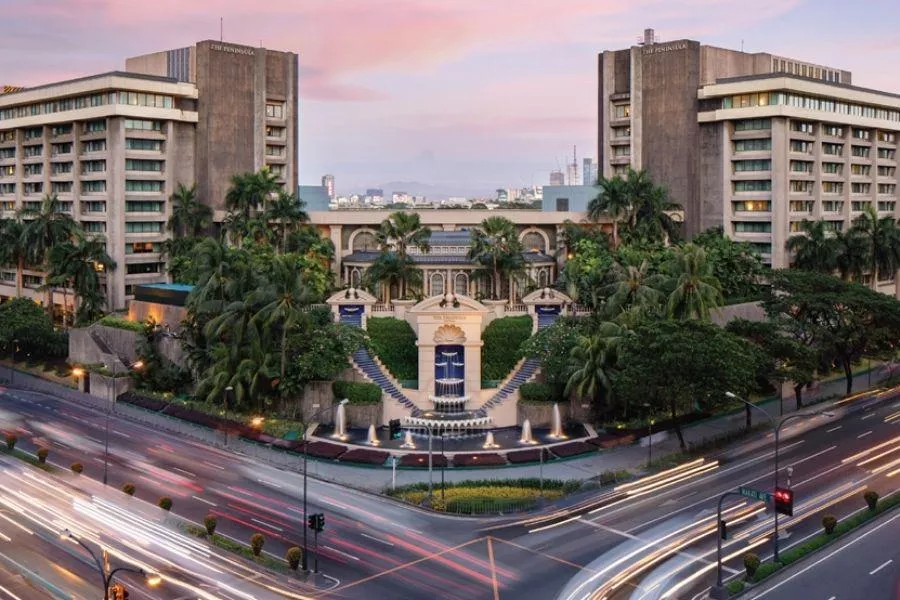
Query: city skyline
{"type": "Point", "coordinates": [468, 94]}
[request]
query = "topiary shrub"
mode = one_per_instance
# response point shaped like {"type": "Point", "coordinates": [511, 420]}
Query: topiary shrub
{"type": "Point", "coordinates": [257, 541]}
{"type": "Point", "coordinates": [502, 349]}
{"type": "Point", "coordinates": [42, 454]}
{"type": "Point", "coordinates": [11, 441]}
{"type": "Point", "coordinates": [77, 468]}
{"type": "Point", "coordinates": [356, 392]}
{"type": "Point", "coordinates": [129, 489]}
{"type": "Point", "coordinates": [871, 497]}
{"type": "Point", "coordinates": [210, 522]}
{"type": "Point", "coordinates": [535, 392]}
{"type": "Point", "coordinates": [394, 342]}
{"type": "Point", "coordinates": [165, 503]}
{"type": "Point", "coordinates": [751, 564]}
{"type": "Point", "coordinates": [735, 586]}
{"type": "Point", "coordinates": [829, 522]}
{"type": "Point", "coordinates": [293, 557]}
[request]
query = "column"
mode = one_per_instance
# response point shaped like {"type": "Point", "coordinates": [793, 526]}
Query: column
{"type": "Point", "coordinates": [335, 234]}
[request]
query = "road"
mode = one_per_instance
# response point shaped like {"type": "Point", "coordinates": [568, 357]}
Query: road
{"type": "Point", "coordinates": [375, 548]}
{"type": "Point", "coordinates": [866, 565]}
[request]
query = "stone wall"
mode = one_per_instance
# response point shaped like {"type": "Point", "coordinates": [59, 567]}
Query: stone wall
{"type": "Point", "coordinates": [541, 413]}
{"type": "Point", "coordinates": [83, 349]}
{"type": "Point", "coordinates": [101, 386]}
{"type": "Point", "coordinates": [361, 416]}
{"type": "Point", "coordinates": [171, 348]}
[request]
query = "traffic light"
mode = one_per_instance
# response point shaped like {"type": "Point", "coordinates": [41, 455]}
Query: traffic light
{"type": "Point", "coordinates": [394, 425]}
{"type": "Point", "coordinates": [320, 522]}
{"type": "Point", "coordinates": [784, 501]}
{"type": "Point", "coordinates": [311, 521]}
{"type": "Point", "coordinates": [723, 529]}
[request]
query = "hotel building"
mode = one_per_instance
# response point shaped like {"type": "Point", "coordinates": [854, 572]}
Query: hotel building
{"type": "Point", "coordinates": [750, 141]}
{"type": "Point", "coordinates": [114, 147]}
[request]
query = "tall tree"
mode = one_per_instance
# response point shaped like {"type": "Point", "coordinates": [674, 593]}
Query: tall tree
{"type": "Point", "coordinates": [12, 251]}
{"type": "Point", "coordinates": [44, 228]}
{"type": "Point", "coordinates": [286, 213]}
{"type": "Point", "coordinates": [651, 218]}
{"type": "Point", "coordinates": [593, 359]}
{"type": "Point", "coordinates": [496, 245]}
{"type": "Point", "coordinates": [736, 265]}
{"type": "Point", "coordinates": [248, 195]}
{"type": "Point", "coordinates": [398, 233]}
{"type": "Point", "coordinates": [883, 243]}
{"type": "Point", "coordinates": [614, 200]}
{"type": "Point", "coordinates": [78, 264]}
{"type": "Point", "coordinates": [694, 289]}
{"type": "Point", "coordinates": [388, 271]}
{"type": "Point", "coordinates": [634, 288]}
{"type": "Point", "coordinates": [817, 250]}
{"type": "Point", "coordinates": [189, 216]}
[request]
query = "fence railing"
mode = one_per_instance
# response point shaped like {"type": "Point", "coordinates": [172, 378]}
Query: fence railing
{"type": "Point", "coordinates": [517, 308]}
{"type": "Point", "coordinates": [385, 308]}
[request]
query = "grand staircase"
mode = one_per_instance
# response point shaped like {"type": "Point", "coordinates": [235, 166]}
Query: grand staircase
{"type": "Point", "coordinates": [527, 371]}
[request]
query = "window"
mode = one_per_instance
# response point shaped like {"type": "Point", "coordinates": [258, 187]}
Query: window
{"type": "Point", "coordinates": [134, 164]}
{"type": "Point", "coordinates": [93, 187]}
{"type": "Point", "coordinates": [832, 187]}
{"type": "Point", "coordinates": [141, 248]}
{"type": "Point", "coordinates": [833, 149]}
{"type": "Point", "coordinates": [32, 151]}
{"type": "Point", "coordinates": [33, 133]}
{"type": "Point", "coordinates": [7, 136]}
{"type": "Point", "coordinates": [832, 168]}
{"type": "Point", "coordinates": [60, 168]}
{"type": "Point", "coordinates": [752, 165]}
{"type": "Point", "coordinates": [801, 166]}
{"type": "Point", "coordinates": [7, 189]}
{"type": "Point", "coordinates": [860, 169]}
{"type": "Point", "coordinates": [752, 206]}
{"type": "Point", "coordinates": [859, 206]}
{"type": "Point", "coordinates": [143, 227]}
{"type": "Point", "coordinates": [155, 207]}
{"type": "Point", "coordinates": [274, 150]}
{"type": "Point", "coordinates": [886, 206]}
{"type": "Point", "coordinates": [7, 153]}
{"type": "Point", "coordinates": [142, 125]}
{"type": "Point", "coordinates": [93, 226]}
{"type": "Point", "coordinates": [622, 151]}
{"type": "Point", "coordinates": [860, 134]}
{"type": "Point", "coordinates": [621, 111]}
{"type": "Point", "coordinates": [860, 151]}
{"type": "Point", "coordinates": [886, 171]}
{"type": "Point", "coordinates": [801, 146]}
{"type": "Point", "coordinates": [886, 153]}
{"type": "Point", "coordinates": [752, 145]}
{"type": "Point", "coordinates": [887, 136]}
{"type": "Point", "coordinates": [94, 126]}
{"type": "Point", "coordinates": [61, 130]}
{"type": "Point", "coordinates": [93, 206]}
{"type": "Point", "coordinates": [760, 247]}
{"type": "Point", "coordinates": [834, 225]}
{"type": "Point", "coordinates": [139, 185]}
{"type": "Point", "coordinates": [832, 206]}
{"type": "Point", "coordinates": [63, 148]}
{"type": "Point", "coordinates": [32, 280]}
{"type": "Point", "coordinates": [139, 144]}
{"type": "Point", "coordinates": [33, 170]}
{"type": "Point", "coordinates": [276, 170]}
{"type": "Point", "coordinates": [801, 187]}
{"type": "Point", "coordinates": [437, 284]}
{"type": "Point", "coordinates": [752, 124]}
{"type": "Point", "coordinates": [93, 146]}
{"type": "Point", "coordinates": [621, 132]}
{"type": "Point", "coordinates": [833, 130]}
{"type": "Point", "coordinates": [61, 187]}
{"type": "Point", "coordinates": [801, 206]}
{"type": "Point", "coordinates": [34, 187]}
{"type": "Point", "coordinates": [140, 99]}
{"type": "Point", "coordinates": [142, 268]}
{"type": "Point", "coordinates": [748, 100]}
{"type": "Point", "coordinates": [751, 227]}
{"type": "Point", "coordinates": [93, 166]}
{"type": "Point", "coordinates": [8, 171]}
{"type": "Point", "coordinates": [562, 204]}
{"type": "Point", "coordinates": [275, 132]}
{"type": "Point", "coordinates": [753, 185]}
{"type": "Point", "coordinates": [803, 127]}
{"type": "Point", "coordinates": [860, 188]}
{"type": "Point", "coordinates": [887, 188]}
{"type": "Point", "coordinates": [275, 111]}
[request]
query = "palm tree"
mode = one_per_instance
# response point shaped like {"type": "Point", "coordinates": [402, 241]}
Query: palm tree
{"type": "Point", "coordinates": [815, 251]}
{"type": "Point", "coordinates": [594, 358]}
{"type": "Point", "coordinates": [216, 270]}
{"type": "Point", "coordinates": [398, 233]}
{"type": "Point", "coordinates": [78, 265]}
{"type": "Point", "coordinates": [495, 243]}
{"type": "Point", "coordinates": [387, 270]}
{"type": "Point", "coordinates": [695, 290]}
{"type": "Point", "coordinates": [248, 194]}
{"type": "Point", "coordinates": [634, 288]}
{"type": "Point", "coordinates": [43, 229]}
{"type": "Point", "coordinates": [12, 252]}
{"type": "Point", "coordinates": [883, 241]}
{"type": "Point", "coordinates": [189, 216]}
{"type": "Point", "coordinates": [652, 219]}
{"type": "Point", "coordinates": [286, 211]}
{"type": "Point", "coordinates": [247, 371]}
{"type": "Point", "coordinates": [640, 189]}
{"type": "Point", "coordinates": [614, 201]}
{"type": "Point", "coordinates": [286, 295]}
{"type": "Point", "coordinates": [852, 258]}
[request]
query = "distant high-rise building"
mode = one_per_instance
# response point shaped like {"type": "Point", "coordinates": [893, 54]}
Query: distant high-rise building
{"type": "Point", "coordinates": [589, 172]}
{"type": "Point", "coordinates": [328, 184]}
{"type": "Point", "coordinates": [557, 178]}
{"type": "Point", "coordinates": [572, 174]}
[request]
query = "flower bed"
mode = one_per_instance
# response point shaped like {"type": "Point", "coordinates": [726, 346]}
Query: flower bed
{"type": "Point", "coordinates": [365, 456]}
{"type": "Point", "coordinates": [478, 460]}
{"type": "Point", "coordinates": [524, 456]}
{"type": "Point", "coordinates": [609, 440]}
{"type": "Point", "coordinates": [572, 449]}
{"type": "Point", "coordinates": [421, 460]}
{"type": "Point", "coordinates": [488, 499]}
{"type": "Point", "coordinates": [322, 450]}
{"type": "Point", "coordinates": [147, 402]}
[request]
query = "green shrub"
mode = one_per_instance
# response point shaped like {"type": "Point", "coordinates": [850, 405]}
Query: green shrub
{"type": "Point", "coordinates": [502, 349]}
{"type": "Point", "coordinates": [27, 328]}
{"type": "Point", "coordinates": [356, 392]}
{"type": "Point", "coordinates": [210, 522]}
{"type": "Point", "coordinates": [11, 442]}
{"type": "Point", "coordinates": [394, 343]}
{"type": "Point", "coordinates": [751, 563]}
{"type": "Point", "coordinates": [120, 323]}
{"type": "Point", "coordinates": [77, 468]}
{"type": "Point", "coordinates": [42, 455]}
{"type": "Point", "coordinates": [535, 392]}
{"type": "Point", "coordinates": [871, 498]}
{"type": "Point", "coordinates": [829, 522]}
{"type": "Point", "coordinates": [257, 541]}
{"type": "Point", "coordinates": [765, 570]}
{"type": "Point", "coordinates": [165, 503]}
{"type": "Point", "coordinates": [293, 556]}
{"type": "Point", "coordinates": [129, 489]}
{"type": "Point", "coordinates": [564, 486]}
{"type": "Point", "coordinates": [735, 586]}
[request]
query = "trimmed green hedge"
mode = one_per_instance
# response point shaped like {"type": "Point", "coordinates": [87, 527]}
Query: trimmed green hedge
{"type": "Point", "coordinates": [502, 349]}
{"type": "Point", "coordinates": [120, 323]}
{"type": "Point", "coordinates": [356, 393]}
{"type": "Point", "coordinates": [535, 392]}
{"type": "Point", "coordinates": [735, 587]}
{"type": "Point", "coordinates": [394, 343]}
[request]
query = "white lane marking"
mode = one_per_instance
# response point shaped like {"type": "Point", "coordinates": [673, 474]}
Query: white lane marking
{"type": "Point", "coordinates": [95, 440]}
{"type": "Point", "coordinates": [876, 569]}
{"type": "Point", "coordinates": [832, 598]}
{"type": "Point", "coordinates": [862, 435]}
{"type": "Point", "coordinates": [120, 434]}
{"type": "Point", "coordinates": [9, 593]}
{"type": "Point", "coordinates": [264, 482]}
{"type": "Point", "coordinates": [375, 539]}
{"type": "Point", "coordinates": [188, 473]}
{"type": "Point", "coordinates": [833, 429]}
{"type": "Point", "coordinates": [552, 525]}
{"type": "Point", "coordinates": [868, 416]}
{"type": "Point", "coordinates": [220, 467]}
{"type": "Point", "coordinates": [336, 551]}
{"type": "Point", "coordinates": [264, 524]}
{"type": "Point", "coordinates": [204, 500]}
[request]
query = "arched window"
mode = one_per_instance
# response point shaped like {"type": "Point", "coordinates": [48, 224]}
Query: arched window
{"type": "Point", "coordinates": [461, 284]}
{"type": "Point", "coordinates": [542, 278]}
{"type": "Point", "coordinates": [532, 241]}
{"type": "Point", "coordinates": [365, 242]}
{"type": "Point", "coordinates": [354, 278]}
{"type": "Point", "coordinates": [437, 284]}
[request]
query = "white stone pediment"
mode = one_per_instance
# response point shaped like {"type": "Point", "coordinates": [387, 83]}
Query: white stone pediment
{"type": "Point", "coordinates": [547, 296]}
{"type": "Point", "coordinates": [351, 296]}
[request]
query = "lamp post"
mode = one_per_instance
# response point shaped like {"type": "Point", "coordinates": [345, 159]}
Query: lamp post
{"type": "Point", "coordinates": [649, 435]}
{"type": "Point", "coordinates": [304, 559]}
{"type": "Point", "coordinates": [443, 465]}
{"type": "Point", "coordinates": [152, 580]}
{"type": "Point", "coordinates": [109, 407]}
{"type": "Point", "coordinates": [777, 427]}
{"type": "Point", "coordinates": [12, 367]}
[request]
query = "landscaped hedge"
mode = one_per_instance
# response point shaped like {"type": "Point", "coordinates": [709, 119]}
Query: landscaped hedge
{"type": "Point", "coordinates": [438, 461]}
{"type": "Point", "coordinates": [572, 449]}
{"type": "Point", "coordinates": [120, 323]}
{"type": "Point", "coordinates": [356, 392]}
{"type": "Point", "coordinates": [535, 392]}
{"type": "Point", "coordinates": [487, 459]}
{"type": "Point", "coordinates": [323, 450]}
{"type": "Point", "coordinates": [394, 343]}
{"type": "Point", "coordinates": [365, 456]}
{"type": "Point", "coordinates": [526, 456]}
{"type": "Point", "coordinates": [502, 349]}
{"type": "Point", "coordinates": [565, 486]}
{"type": "Point", "coordinates": [147, 402]}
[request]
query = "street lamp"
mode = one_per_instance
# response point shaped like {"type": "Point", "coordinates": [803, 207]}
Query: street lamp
{"type": "Point", "coordinates": [152, 580]}
{"type": "Point", "coordinates": [305, 456]}
{"type": "Point", "coordinates": [12, 367]}
{"type": "Point", "coordinates": [777, 427]}
{"type": "Point", "coordinates": [649, 434]}
{"type": "Point", "coordinates": [112, 400]}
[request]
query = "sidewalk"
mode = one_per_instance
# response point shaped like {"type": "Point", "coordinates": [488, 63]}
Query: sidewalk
{"type": "Point", "coordinates": [632, 457]}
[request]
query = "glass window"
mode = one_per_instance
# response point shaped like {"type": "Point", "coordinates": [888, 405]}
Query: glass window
{"type": "Point", "coordinates": [143, 227]}
{"type": "Point", "coordinates": [274, 150]}
{"type": "Point", "coordinates": [832, 206]}
{"type": "Point", "coordinates": [275, 132]}
{"type": "Point", "coordinates": [832, 168]}
{"type": "Point", "coordinates": [63, 148]}
{"type": "Point", "coordinates": [33, 170]}
{"type": "Point", "coordinates": [752, 165]}
{"type": "Point", "coordinates": [142, 125]}
{"type": "Point", "coordinates": [93, 187]}
{"type": "Point", "coordinates": [141, 248]}
{"type": "Point", "coordinates": [93, 226]}
{"type": "Point", "coordinates": [832, 187]}
{"type": "Point", "coordinates": [803, 127]}
{"type": "Point", "coordinates": [801, 187]}
{"type": "Point", "coordinates": [139, 144]}
{"type": "Point", "coordinates": [887, 188]}
{"type": "Point", "coordinates": [860, 188]}
{"type": "Point", "coordinates": [142, 268]}
{"type": "Point", "coordinates": [34, 187]}
{"type": "Point", "coordinates": [886, 153]}
{"type": "Point", "coordinates": [274, 111]}
{"type": "Point", "coordinates": [7, 153]}
{"type": "Point", "coordinates": [860, 134]}
{"type": "Point", "coordinates": [886, 171]}
{"type": "Point", "coordinates": [7, 171]}
{"type": "Point", "coordinates": [757, 185]}
{"type": "Point", "coordinates": [621, 132]}
{"type": "Point", "coordinates": [752, 206]}
{"type": "Point", "coordinates": [801, 166]}
{"type": "Point", "coordinates": [887, 136]}
{"type": "Point", "coordinates": [7, 189]}
{"type": "Point", "coordinates": [95, 126]}
{"type": "Point", "coordinates": [861, 170]}
{"type": "Point", "coordinates": [93, 166]}
{"type": "Point", "coordinates": [752, 124]}
{"type": "Point", "coordinates": [93, 206]}
{"type": "Point", "coordinates": [752, 227]}
{"type": "Point", "coordinates": [139, 185]}
{"type": "Point", "coordinates": [155, 207]}
{"type": "Point", "coordinates": [61, 130]}
{"type": "Point", "coordinates": [801, 206]}
{"type": "Point", "coordinates": [833, 130]}
{"type": "Point", "coordinates": [860, 151]}
{"type": "Point", "coordinates": [134, 164]}
{"type": "Point", "coordinates": [833, 149]}
{"type": "Point", "coordinates": [33, 132]}
{"type": "Point", "coordinates": [32, 151]}
{"type": "Point", "coordinates": [752, 145]}
{"type": "Point", "coordinates": [801, 146]}
{"type": "Point", "coordinates": [60, 168]}
{"type": "Point", "coordinates": [620, 151]}
{"type": "Point", "coordinates": [886, 206]}
{"type": "Point", "coordinates": [61, 187]}
{"type": "Point", "coordinates": [621, 111]}
{"type": "Point", "coordinates": [859, 206]}
{"type": "Point", "coordinates": [93, 146]}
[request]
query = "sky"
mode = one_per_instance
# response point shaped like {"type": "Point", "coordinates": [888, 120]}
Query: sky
{"type": "Point", "coordinates": [468, 94]}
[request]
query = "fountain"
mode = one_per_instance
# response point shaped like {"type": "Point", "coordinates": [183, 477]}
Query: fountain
{"type": "Point", "coordinates": [340, 423]}
{"type": "Point", "coordinates": [372, 439]}
{"type": "Point", "coordinates": [489, 442]}
{"type": "Point", "coordinates": [408, 441]}
{"type": "Point", "coordinates": [527, 437]}
{"type": "Point", "coordinates": [556, 431]}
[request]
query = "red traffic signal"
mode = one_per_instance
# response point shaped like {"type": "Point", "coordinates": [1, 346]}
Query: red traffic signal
{"type": "Point", "coordinates": [784, 501]}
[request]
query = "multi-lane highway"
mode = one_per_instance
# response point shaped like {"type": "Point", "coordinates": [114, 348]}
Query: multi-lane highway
{"type": "Point", "coordinates": [651, 539]}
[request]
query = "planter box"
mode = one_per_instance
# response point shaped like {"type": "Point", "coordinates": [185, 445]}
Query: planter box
{"type": "Point", "coordinates": [478, 460]}
{"type": "Point", "coordinates": [525, 456]}
{"type": "Point", "coordinates": [573, 449]}
{"type": "Point", "coordinates": [421, 460]}
{"type": "Point", "coordinates": [365, 456]}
